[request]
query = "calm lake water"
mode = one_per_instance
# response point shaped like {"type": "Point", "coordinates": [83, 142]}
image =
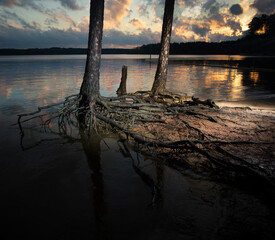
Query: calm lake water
{"type": "Point", "coordinates": [56, 187]}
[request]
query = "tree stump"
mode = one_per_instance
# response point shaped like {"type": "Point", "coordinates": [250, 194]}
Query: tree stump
{"type": "Point", "coordinates": [122, 87]}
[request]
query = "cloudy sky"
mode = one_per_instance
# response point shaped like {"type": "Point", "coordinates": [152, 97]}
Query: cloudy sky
{"type": "Point", "coordinates": [127, 23]}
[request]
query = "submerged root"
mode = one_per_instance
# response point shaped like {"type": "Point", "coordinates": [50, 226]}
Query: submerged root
{"type": "Point", "coordinates": [189, 131]}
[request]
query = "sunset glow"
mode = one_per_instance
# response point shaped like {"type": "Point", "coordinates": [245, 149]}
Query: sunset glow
{"type": "Point", "coordinates": [62, 23]}
{"type": "Point", "coordinates": [262, 30]}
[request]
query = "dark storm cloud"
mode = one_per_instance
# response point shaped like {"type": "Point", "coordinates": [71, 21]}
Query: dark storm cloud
{"type": "Point", "coordinates": [8, 3]}
{"type": "Point", "coordinates": [208, 4]}
{"type": "Point", "coordinates": [220, 37]}
{"type": "Point", "coordinates": [264, 6]}
{"type": "Point", "coordinates": [117, 37]}
{"type": "Point", "coordinates": [212, 10]}
{"type": "Point", "coordinates": [187, 3]}
{"type": "Point", "coordinates": [212, 7]}
{"type": "Point", "coordinates": [236, 9]}
{"type": "Point", "coordinates": [4, 15]}
{"type": "Point", "coordinates": [71, 4]}
{"type": "Point", "coordinates": [235, 26]}
{"type": "Point", "coordinates": [158, 6]}
{"type": "Point", "coordinates": [21, 3]}
{"type": "Point", "coordinates": [12, 37]}
{"type": "Point", "coordinates": [202, 31]}
{"type": "Point", "coordinates": [52, 16]}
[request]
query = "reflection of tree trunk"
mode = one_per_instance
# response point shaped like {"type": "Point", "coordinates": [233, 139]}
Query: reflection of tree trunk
{"type": "Point", "coordinates": [159, 184]}
{"type": "Point", "coordinates": [90, 85]}
{"type": "Point", "coordinates": [155, 187]}
{"type": "Point", "coordinates": [159, 85]}
{"type": "Point", "coordinates": [92, 150]}
{"type": "Point", "coordinates": [160, 174]}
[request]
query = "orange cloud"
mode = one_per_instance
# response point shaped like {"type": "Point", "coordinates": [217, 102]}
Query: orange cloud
{"type": "Point", "coordinates": [115, 11]}
{"type": "Point", "coordinates": [191, 30]}
{"type": "Point", "coordinates": [63, 16]}
{"type": "Point", "coordinates": [220, 28]}
{"type": "Point", "coordinates": [137, 23]}
{"type": "Point", "coordinates": [83, 26]}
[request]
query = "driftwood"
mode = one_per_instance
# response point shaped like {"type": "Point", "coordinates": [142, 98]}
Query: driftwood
{"type": "Point", "coordinates": [122, 87]}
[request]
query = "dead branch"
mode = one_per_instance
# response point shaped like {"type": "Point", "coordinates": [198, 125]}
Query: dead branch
{"type": "Point", "coordinates": [122, 87]}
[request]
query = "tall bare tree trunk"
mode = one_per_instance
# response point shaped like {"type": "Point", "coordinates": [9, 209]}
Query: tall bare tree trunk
{"type": "Point", "coordinates": [159, 85]}
{"type": "Point", "coordinates": [90, 86]}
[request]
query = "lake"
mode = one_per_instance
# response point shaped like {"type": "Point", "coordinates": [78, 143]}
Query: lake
{"type": "Point", "coordinates": [58, 187]}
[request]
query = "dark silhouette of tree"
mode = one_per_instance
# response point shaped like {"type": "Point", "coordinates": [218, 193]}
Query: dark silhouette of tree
{"type": "Point", "coordinates": [271, 25]}
{"type": "Point", "coordinates": [262, 25]}
{"type": "Point", "coordinates": [90, 85]}
{"type": "Point", "coordinates": [257, 24]}
{"type": "Point", "coordinates": [159, 85]}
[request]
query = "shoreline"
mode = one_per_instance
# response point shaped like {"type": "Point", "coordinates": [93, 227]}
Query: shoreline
{"type": "Point", "coordinates": [264, 106]}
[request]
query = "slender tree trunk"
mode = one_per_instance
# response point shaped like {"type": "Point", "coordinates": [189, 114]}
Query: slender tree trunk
{"type": "Point", "coordinates": [159, 85]}
{"type": "Point", "coordinates": [90, 85]}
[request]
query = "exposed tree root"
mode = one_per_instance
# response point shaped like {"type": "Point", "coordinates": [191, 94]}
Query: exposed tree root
{"type": "Point", "coordinates": [196, 133]}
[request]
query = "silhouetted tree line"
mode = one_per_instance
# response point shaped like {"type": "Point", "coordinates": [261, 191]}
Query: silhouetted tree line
{"type": "Point", "coordinates": [61, 51]}
{"type": "Point", "coordinates": [259, 40]}
{"type": "Point", "coordinates": [262, 26]}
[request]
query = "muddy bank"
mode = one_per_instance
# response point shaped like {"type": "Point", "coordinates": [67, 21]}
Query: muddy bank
{"type": "Point", "coordinates": [197, 133]}
{"type": "Point", "coordinates": [237, 136]}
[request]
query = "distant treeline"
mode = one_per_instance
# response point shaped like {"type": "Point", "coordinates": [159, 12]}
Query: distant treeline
{"type": "Point", "coordinates": [259, 40]}
{"type": "Point", "coordinates": [240, 47]}
{"type": "Point", "coordinates": [60, 51]}
{"type": "Point", "coordinates": [260, 46]}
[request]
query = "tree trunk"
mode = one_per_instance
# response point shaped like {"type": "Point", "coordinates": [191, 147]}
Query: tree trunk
{"type": "Point", "coordinates": [159, 85]}
{"type": "Point", "coordinates": [90, 85]}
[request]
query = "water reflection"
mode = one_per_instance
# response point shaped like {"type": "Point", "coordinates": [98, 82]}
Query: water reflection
{"type": "Point", "coordinates": [254, 77]}
{"type": "Point", "coordinates": [116, 195]}
{"type": "Point", "coordinates": [92, 149]}
{"type": "Point", "coordinates": [62, 189]}
{"type": "Point", "coordinates": [39, 81]}
{"type": "Point", "coordinates": [158, 201]}
{"type": "Point", "coordinates": [209, 82]}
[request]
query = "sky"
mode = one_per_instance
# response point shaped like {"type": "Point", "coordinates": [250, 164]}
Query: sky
{"type": "Point", "coordinates": [127, 23]}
